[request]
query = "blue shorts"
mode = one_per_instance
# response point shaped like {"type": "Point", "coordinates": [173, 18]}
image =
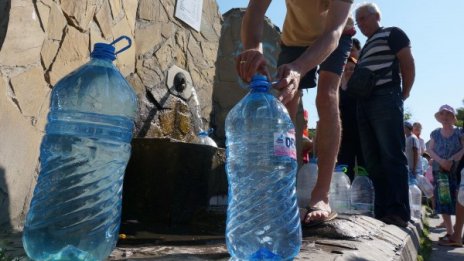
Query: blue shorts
{"type": "Point", "coordinates": [335, 62]}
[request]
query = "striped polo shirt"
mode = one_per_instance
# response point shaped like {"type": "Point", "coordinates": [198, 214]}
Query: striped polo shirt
{"type": "Point", "coordinates": [379, 54]}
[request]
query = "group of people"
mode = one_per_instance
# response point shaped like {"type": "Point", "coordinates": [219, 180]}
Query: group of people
{"type": "Point", "coordinates": [318, 49]}
{"type": "Point", "coordinates": [446, 148]}
{"type": "Point", "coordinates": [444, 155]}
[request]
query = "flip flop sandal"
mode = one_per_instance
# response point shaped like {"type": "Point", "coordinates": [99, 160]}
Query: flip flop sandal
{"type": "Point", "coordinates": [331, 216]}
{"type": "Point", "coordinates": [449, 242]}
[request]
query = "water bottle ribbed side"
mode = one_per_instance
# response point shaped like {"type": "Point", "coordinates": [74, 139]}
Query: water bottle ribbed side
{"type": "Point", "coordinates": [76, 205]}
{"type": "Point", "coordinates": [262, 213]}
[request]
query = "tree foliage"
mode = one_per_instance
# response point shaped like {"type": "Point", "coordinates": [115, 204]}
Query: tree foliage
{"type": "Point", "coordinates": [460, 116]}
{"type": "Point", "coordinates": [407, 115]}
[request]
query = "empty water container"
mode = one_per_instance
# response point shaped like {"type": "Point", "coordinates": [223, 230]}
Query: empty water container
{"type": "Point", "coordinates": [339, 195]}
{"type": "Point", "coordinates": [362, 194]}
{"type": "Point", "coordinates": [76, 207]}
{"type": "Point", "coordinates": [263, 222]}
{"type": "Point", "coordinates": [415, 199]}
{"type": "Point", "coordinates": [205, 139]}
{"type": "Point", "coordinates": [424, 185]}
{"type": "Point", "coordinates": [461, 189]}
{"type": "Point", "coordinates": [306, 180]}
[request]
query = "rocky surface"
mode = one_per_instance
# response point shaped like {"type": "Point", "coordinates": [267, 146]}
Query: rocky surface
{"type": "Point", "coordinates": [346, 238]}
{"type": "Point", "coordinates": [229, 89]}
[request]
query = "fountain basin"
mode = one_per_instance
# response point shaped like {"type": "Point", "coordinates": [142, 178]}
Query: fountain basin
{"type": "Point", "coordinates": [168, 185]}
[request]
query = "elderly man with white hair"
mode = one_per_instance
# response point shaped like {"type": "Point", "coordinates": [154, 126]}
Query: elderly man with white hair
{"type": "Point", "coordinates": [386, 53]}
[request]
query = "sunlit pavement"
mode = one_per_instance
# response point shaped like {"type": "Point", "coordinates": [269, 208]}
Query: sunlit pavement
{"type": "Point", "coordinates": [440, 253]}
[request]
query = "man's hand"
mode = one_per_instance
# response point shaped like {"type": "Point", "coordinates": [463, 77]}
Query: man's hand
{"type": "Point", "coordinates": [250, 62]}
{"type": "Point", "coordinates": [288, 76]}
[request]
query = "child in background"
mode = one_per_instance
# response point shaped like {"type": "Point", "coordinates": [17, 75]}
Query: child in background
{"type": "Point", "coordinates": [429, 175]}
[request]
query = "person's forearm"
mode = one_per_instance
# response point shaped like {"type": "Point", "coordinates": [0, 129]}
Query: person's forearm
{"type": "Point", "coordinates": [408, 76]}
{"type": "Point", "coordinates": [414, 160]}
{"type": "Point", "coordinates": [408, 70]}
{"type": "Point", "coordinates": [434, 156]}
{"type": "Point", "coordinates": [458, 155]}
{"type": "Point", "coordinates": [252, 24]}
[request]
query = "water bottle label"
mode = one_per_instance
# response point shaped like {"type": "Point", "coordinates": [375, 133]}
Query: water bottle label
{"type": "Point", "coordinates": [284, 144]}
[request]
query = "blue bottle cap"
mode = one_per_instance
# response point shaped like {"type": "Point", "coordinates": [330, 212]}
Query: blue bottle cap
{"type": "Point", "coordinates": [259, 82]}
{"type": "Point", "coordinates": [103, 51]}
{"type": "Point", "coordinates": [341, 168]}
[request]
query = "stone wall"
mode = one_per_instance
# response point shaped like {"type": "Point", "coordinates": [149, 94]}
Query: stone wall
{"type": "Point", "coordinates": [47, 39]}
{"type": "Point", "coordinates": [228, 88]}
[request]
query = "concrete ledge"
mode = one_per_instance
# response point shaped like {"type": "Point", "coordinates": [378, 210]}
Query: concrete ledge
{"type": "Point", "coordinates": [346, 238]}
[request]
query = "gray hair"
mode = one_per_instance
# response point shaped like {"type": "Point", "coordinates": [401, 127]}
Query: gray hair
{"type": "Point", "coordinates": [372, 8]}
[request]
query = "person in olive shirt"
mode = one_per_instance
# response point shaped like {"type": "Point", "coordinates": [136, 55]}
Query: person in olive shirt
{"type": "Point", "coordinates": [313, 37]}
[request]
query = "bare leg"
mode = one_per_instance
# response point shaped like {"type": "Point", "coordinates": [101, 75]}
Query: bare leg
{"type": "Point", "coordinates": [457, 236]}
{"type": "Point", "coordinates": [448, 223]}
{"type": "Point", "coordinates": [328, 141]}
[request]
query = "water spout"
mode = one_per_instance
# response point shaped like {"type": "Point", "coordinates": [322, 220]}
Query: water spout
{"type": "Point", "coordinates": [194, 104]}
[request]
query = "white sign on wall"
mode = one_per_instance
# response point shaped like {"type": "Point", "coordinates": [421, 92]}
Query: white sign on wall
{"type": "Point", "coordinates": [189, 11]}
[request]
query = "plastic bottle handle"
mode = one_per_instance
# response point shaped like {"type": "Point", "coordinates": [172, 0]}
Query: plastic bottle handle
{"type": "Point", "coordinates": [129, 43]}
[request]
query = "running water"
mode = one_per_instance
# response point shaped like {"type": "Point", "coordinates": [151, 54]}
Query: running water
{"type": "Point", "coordinates": [197, 120]}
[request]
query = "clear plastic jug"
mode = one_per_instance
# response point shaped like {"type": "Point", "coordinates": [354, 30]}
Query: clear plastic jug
{"type": "Point", "coordinates": [76, 207]}
{"type": "Point", "coordinates": [263, 221]}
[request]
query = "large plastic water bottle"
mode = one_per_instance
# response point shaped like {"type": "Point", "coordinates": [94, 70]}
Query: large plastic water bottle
{"type": "Point", "coordinates": [76, 207]}
{"type": "Point", "coordinates": [415, 199]}
{"type": "Point", "coordinates": [306, 180]}
{"type": "Point", "coordinates": [362, 194]}
{"type": "Point", "coordinates": [203, 138]}
{"type": "Point", "coordinates": [262, 217]}
{"type": "Point", "coordinates": [339, 194]}
{"type": "Point", "coordinates": [424, 185]}
{"type": "Point", "coordinates": [461, 189]}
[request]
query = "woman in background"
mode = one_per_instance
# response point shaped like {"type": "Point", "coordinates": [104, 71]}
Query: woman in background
{"type": "Point", "coordinates": [446, 149]}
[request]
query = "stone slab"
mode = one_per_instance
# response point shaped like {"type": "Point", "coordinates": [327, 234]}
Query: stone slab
{"type": "Point", "coordinates": [369, 239]}
{"type": "Point", "coordinates": [24, 37]}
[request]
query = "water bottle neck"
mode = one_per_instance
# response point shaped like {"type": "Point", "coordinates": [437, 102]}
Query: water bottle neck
{"type": "Point", "coordinates": [259, 83]}
{"type": "Point", "coordinates": [104, 52]}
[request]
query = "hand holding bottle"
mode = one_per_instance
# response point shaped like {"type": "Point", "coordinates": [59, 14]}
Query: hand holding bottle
{"type": "Point", "coordinates": [250, 62]}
